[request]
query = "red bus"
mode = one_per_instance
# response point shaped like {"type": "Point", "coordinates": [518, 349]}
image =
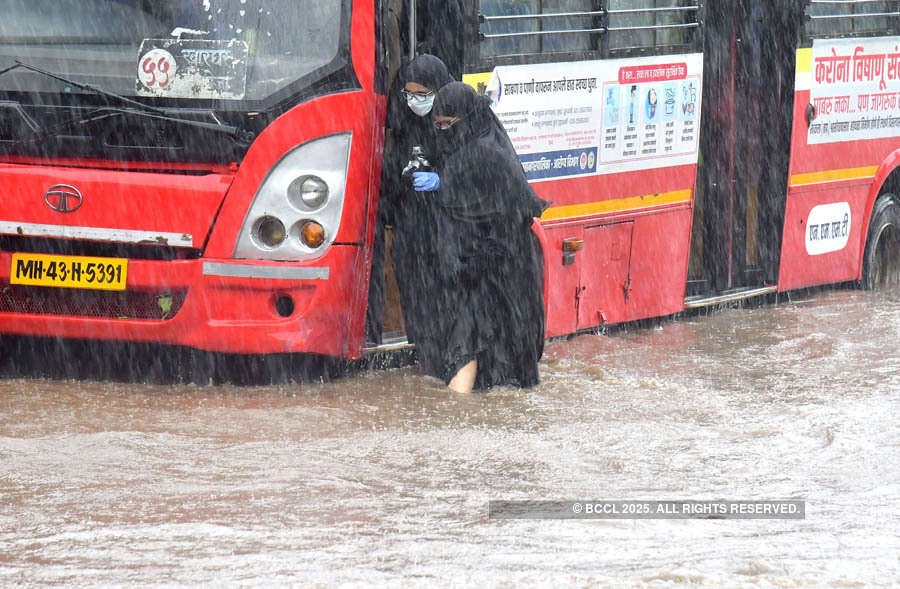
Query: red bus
{"type": "Point", "coordinates": [206, 173]}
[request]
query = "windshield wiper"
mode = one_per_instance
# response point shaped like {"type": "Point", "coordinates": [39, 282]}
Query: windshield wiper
{"type": "Point", "coordinates": [86, 87]}
{"type": "Point", "coordinates": [145, 110]}
{"type": "Point", "coordinates": [239, 135]}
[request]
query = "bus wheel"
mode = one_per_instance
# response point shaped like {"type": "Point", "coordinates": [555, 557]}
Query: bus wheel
{"type": "Point", "coordinates": [881, 262]}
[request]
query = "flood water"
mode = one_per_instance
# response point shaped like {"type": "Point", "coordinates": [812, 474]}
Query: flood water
{"type": "Point", "coordinates": [385, 477]}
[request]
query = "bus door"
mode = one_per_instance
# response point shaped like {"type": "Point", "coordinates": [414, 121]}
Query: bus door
{"type": "Point", "coordinates": [745, 147]}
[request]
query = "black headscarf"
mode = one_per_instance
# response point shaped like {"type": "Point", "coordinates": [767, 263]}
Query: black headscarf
{"type": "Point", "coordinates": [489, 156]}
{"type": "Point", "coordinates": [428, 71]}
{"type": "Point", "coordinates": [408, 212]}
{"type": "Point", "coordinates": [408, 129]}
{"type": "Point", "coordinates": [460, 101]}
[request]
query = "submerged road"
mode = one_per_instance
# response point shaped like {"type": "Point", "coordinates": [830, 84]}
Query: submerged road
{"type": "Point", "coordinates": [384, 477]}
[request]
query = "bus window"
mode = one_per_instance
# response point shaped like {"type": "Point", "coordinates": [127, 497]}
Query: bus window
{"type": "Point", "coordinates": [521, 27]}
{"type": "Point", "coordinates": [586, 28]}
{"type": "Point", "coordinates": [652, 24]}
{"type": "Point", "coordinates": [238, 53]}
{"type": "Point", "coordinates": [831, 19]}
{"type": "Point", "coordinates": [566, 42]}
{"type": "Point", "coordinates": [508, 45]}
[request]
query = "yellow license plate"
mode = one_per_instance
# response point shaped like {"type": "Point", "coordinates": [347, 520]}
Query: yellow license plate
{"type": "Point", "coordinates": [69, 271]}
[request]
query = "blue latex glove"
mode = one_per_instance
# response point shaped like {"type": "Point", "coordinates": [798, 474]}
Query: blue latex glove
{"type": "Point", "coordinates": [426, 181]}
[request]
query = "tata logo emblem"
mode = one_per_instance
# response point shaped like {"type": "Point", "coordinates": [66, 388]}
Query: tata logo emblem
{"type": "Point", "coordinates": [63, 198]}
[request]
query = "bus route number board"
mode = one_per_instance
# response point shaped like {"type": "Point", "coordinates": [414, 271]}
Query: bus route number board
{"type": "Point", "coordinates": [69, 271]}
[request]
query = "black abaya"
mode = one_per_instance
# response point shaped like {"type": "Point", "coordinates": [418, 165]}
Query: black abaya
{"type": "Point", "coordinates": [490, 274]}
{"type": "Point", "coordinates": [408, 211]}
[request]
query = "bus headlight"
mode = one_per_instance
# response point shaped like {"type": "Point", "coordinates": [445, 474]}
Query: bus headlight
{"type": "Point", "coordinates": [304, 192]}
{"type": "Point", "coordinates": [269, 231]}
{"type": "Point", "coordinates": [308, 192]}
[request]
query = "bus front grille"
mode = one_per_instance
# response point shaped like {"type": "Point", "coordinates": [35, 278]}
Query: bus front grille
{"type": "Point", "coordinates": [74, 247]}
{"type": "Point", "coordinates": [37, 300]}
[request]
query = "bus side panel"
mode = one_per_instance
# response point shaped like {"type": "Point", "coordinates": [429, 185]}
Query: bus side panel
{"type": "Point", "coordinates": [613, 145]}
{"type": "Point", "coordinates": [635, 228]}
{"type": "Point", "coordinates": [839, 142]}
{"type": "Point", "coordinates": [606, 272]}
{"type": "Point", "coordinates": [563, 280]}
{"type": "Point", "coordinates": [800, 268]}
{"type": "Point", "coordinates": [659, 263]}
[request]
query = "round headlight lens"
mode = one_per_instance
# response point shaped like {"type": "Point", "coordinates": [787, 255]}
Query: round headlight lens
{"type": "Point", "coordinates": [270, 231]}
{"type": "Point", "coordinates": [312, 234]}
{"type": "Point", "coordinates": [308, 192]}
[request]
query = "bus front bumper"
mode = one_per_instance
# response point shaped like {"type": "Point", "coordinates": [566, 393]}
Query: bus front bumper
{"type": "Point", "coordinates": [219, 305]}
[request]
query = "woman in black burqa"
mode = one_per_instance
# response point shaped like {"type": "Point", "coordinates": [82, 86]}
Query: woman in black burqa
{"type": "Point", "coordinates": [410, 124]}
{"type": "Point", "coordinates": [491, 326]}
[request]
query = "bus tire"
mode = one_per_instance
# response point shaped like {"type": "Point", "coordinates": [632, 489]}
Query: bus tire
{"type": "Point", "coordinates": [881, 260]}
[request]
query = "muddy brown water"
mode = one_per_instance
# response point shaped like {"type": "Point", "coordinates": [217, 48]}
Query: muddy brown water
{"type": "Point", "coordinates": [383, 477]}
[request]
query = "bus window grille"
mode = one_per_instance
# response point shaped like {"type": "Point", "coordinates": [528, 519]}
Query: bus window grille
{"type": "Point", "coordinates": [528, 27]}
{"type": "Point", "coordinates": [848, 18]}
{"type": "Point", "coordinates": [656, 25]}
{"type": "Point", "coordinates": [523, 27]}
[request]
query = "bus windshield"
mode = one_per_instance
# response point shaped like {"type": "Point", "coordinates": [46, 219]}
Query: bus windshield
{"type": "Point", "coordinates": [180, 49]}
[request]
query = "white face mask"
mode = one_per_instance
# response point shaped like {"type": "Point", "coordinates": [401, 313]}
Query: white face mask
{"type": "Point", "coordinates": [420, 105]}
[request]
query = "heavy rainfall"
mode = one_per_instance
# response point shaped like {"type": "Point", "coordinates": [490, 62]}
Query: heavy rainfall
{"type": "Point", "coordinates": [156, 436]}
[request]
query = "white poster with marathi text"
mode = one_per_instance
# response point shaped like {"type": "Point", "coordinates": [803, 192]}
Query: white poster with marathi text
{"type": "Point", "coordinates": [600, 117]}
{"type": "Point", "coordinates": [855, 89]}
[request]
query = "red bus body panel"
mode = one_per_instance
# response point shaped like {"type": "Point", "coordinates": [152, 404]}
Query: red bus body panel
{"type": "Point", "coordinates": [634, 263]}
{"type": "Point", "coordinates": [129, 201]}
{"type": "Point", "coordinates": [851, 172]}
{"type": "Point", "coordinates": [613, 145]}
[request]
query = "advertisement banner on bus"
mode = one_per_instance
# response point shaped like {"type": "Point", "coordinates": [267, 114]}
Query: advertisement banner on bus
{"type": "Point", "coordinates": [600, 117]}
{"type": "Point", "coordinates": [854, 89]}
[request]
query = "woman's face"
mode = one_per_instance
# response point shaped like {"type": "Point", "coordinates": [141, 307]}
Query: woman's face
{"type": "Point", "coordinates": [442, 123]}
{"type": "Point", "coordinates": [419, 98]}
